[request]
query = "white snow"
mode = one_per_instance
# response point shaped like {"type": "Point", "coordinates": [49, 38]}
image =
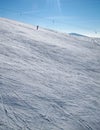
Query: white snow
{"type": "Point", "coordinates": [48, 80]}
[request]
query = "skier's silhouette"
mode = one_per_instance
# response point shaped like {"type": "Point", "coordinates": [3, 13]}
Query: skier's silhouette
{"type": "Point", "coordinates": [37, 27]}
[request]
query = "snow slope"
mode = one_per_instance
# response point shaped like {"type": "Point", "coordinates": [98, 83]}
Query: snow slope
{"type": "Point", "coordinates": [48, 80]}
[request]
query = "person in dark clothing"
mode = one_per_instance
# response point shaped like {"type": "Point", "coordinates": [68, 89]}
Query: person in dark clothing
{"type": "Point", "coordinates": [37, 27]}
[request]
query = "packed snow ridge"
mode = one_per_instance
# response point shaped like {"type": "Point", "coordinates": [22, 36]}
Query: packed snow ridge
{"type": "Point", "coordinates": [48, 80]}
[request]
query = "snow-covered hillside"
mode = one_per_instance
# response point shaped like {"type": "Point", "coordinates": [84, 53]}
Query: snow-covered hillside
{"type": "Point", "coordinates": [48, 80]}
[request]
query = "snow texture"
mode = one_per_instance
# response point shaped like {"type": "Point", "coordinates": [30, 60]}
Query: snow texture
{"type": "Point", "coordinates": [48, 80]}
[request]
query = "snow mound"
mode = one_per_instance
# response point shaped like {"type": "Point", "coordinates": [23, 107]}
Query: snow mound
{"type": "Point", "coordinates": [76, 34]}
{"type": "Point", "coordinates": [48, 80]}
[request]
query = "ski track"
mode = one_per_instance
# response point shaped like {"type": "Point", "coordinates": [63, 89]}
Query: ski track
{"type": "Point", "coordinates": [48, 80]}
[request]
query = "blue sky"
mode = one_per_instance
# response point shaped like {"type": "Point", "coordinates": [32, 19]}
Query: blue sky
{"type": "Point", "coordinates": [80, 16]}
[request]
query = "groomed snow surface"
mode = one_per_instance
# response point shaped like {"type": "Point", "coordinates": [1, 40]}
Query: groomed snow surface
{"type": "Point", "coordinates": [48, 80]}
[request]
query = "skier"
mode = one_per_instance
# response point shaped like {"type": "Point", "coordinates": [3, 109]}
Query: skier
{"type": "Point", "coordinates": [37, 27]}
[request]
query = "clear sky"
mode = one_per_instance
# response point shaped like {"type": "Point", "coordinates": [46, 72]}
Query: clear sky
{"type": "Point", "coordinates": [80, 16]}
